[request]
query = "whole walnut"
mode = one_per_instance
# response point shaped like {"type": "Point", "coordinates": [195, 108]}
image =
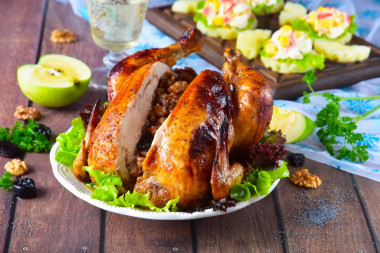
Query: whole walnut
{"type": "Point", "coordinates": [16, 167]}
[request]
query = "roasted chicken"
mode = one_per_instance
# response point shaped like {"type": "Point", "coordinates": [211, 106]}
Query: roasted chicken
{"type": "Point", "coordinates": [184, 149]}
{"type": "Point", "coordinates": [190, 42]}
{"type": "Point", "coordinates": [114, 140]}
{"type": "Point", "coordinates": [252, 98]}
{"type": "Point", "coordinates": [191, 151]}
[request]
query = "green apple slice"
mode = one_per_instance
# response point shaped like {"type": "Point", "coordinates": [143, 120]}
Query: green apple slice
{"type": "Point", "coordinates": [56, 81]}
{"type": "Point", "coordinates": [294, 125]}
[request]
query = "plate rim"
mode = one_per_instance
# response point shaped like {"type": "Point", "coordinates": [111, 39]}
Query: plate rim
{"type": "Point", "coordinates": [58, 171]}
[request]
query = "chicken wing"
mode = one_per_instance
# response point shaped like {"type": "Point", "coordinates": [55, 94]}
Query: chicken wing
{"type": "Point", "coordinates": [114, 140]}
{"type": "Point", "coordinates": [81, 159]}
{"type": "Point", "coordinates": [191, 41]}
{"type": "Point", "coordinates": [252, 98]}
{"type": "Point", "coordinates": [183, 151]}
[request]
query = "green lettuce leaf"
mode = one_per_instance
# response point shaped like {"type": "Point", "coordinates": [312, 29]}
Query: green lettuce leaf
{"type": "Point", "coordinates": [317, 61]}
{"type": "Point", "coordinates": [263, 8]}
{"type": "Point", "coordinates": [303, 25]}
{"type": "Point", "coordinates": [105, 190]}
{"type": "Point", "coordinates": [70, 143]}
{"type": "Point", "coordinates": [258, 183]}
{"type": "Point", "coordinates": [352, 28]}
{"type": "Point", "coordinates": [105, 193]}
{"type": "Point", "coordinates": [103, 179]}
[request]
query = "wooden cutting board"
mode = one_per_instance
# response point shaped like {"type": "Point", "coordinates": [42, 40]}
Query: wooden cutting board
{"type": "Point", "coordinates": [287, 86]}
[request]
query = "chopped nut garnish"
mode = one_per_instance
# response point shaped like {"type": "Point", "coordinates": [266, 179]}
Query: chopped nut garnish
{"type": "Point", "coordinates": [65, 36]}
{"type": "Point", "coordinates": [16, 167]}
{"type": "Point", "coordinates": [305, 179]}
{"type": "Point", "coordinates": [24, 113]}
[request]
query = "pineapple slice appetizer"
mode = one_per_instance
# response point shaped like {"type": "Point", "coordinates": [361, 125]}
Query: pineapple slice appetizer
{"type": "Point", "coordinates": [225, 33]}
{"type": "Point", "coordinates": [285, 67]}
{"type": "Point", "coordinates": [225, 19]}
{"type": "Point", "coordinates": [291, 12]}
{"type": "Point", "coordinates": [184, 6]}
{"type": "Point", "coordinates": [336, 51]}
{"type": "Point", "coordinates": [250, 42]}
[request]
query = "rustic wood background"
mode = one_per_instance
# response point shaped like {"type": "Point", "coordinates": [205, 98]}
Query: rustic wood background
{"type": "Point", "coordinates": [57, 221]}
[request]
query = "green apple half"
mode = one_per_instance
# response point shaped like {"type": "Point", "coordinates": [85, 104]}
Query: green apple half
{"type": "Point", "coordinates": [294, 125]}
{"type": "Point", "coordinates": [56, 81]}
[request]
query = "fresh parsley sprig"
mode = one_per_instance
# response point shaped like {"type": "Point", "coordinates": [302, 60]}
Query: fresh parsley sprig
{"type": "Point", "coordinates": [26, 137]}
{"type": "Point", "coordinates": [6, 181]}
{"type": "Point", "coordinates": [332, 125]}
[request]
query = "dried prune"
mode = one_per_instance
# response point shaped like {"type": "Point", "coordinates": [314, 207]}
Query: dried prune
{"type": "Point", "coordinates": [296, 159]}
{"type": "Point", "coordinates": [42, 129]}
{"type": "Point", "coordinates": [25, 188]}
{"type": "Point", "coordinates": [8, 149]}
{"type": "Point", "coordinates": [145, 142]}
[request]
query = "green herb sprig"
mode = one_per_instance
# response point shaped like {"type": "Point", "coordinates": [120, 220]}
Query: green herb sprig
{"type": "Point", "coordinates": [26, 137]}
{"type": "Point", "coordinates": [332, 125]}
{"type": "Point", "coordinates": [6, 181]}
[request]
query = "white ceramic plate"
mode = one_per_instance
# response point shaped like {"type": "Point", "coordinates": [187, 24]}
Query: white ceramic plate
{"type": "Point", "coordinates": [65, 176]}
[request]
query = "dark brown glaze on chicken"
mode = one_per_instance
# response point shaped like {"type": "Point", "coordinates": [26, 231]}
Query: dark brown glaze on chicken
{"type": "Point", "coordinates": [190, 42]}
{"type": "Point", "coordinates": [183, 152]}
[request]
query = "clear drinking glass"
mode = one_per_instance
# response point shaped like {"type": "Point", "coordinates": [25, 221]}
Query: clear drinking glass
{"type": "Point", "coordinates": [115, 26]}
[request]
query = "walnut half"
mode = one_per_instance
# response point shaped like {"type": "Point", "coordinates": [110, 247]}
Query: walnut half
{"type": "Point", "coordinates": [305, 179]}
{"type": "Point", "coordinates": [16, 167]}
{"type": "Point", "coordinates": [22, 112]}
{"type": "Point", "coordinates": [62, 36]}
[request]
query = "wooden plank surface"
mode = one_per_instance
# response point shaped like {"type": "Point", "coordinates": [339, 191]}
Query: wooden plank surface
{"type": "Point", "coordinates": [252, 229]}
{"type": "Point", "coordinates": [57, 221]}
{"type": "Point", "coordinates": [369, 192]}
{"type": "Point", "coordinates": [288, 86]}
{"type": "Point", "coordinates": [128, 234]}
{"type": "Point", "coordinates": [20, 46]}
{"type": "Point", "coordinates": [326, 219]}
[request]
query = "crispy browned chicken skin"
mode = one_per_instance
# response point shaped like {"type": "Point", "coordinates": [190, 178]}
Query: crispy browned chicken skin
{"type": "Point", "coordinates": [183, 152]}
{"type": "Point", "coordinates": [191, 41]}
{"type": "Point", "coordinates": [189, 157]}
{"type": "Point", "coordinates": [252, 98]}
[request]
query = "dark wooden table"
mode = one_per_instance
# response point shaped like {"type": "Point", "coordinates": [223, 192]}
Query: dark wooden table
{"type": "Point", "coordinates": [343, 215]}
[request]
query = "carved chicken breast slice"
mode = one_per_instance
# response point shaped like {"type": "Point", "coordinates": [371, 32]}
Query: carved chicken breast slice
{"type": "Point", "coordinates": [114, 140]}
{"type": "Point", "coordinates": [183, 151]}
